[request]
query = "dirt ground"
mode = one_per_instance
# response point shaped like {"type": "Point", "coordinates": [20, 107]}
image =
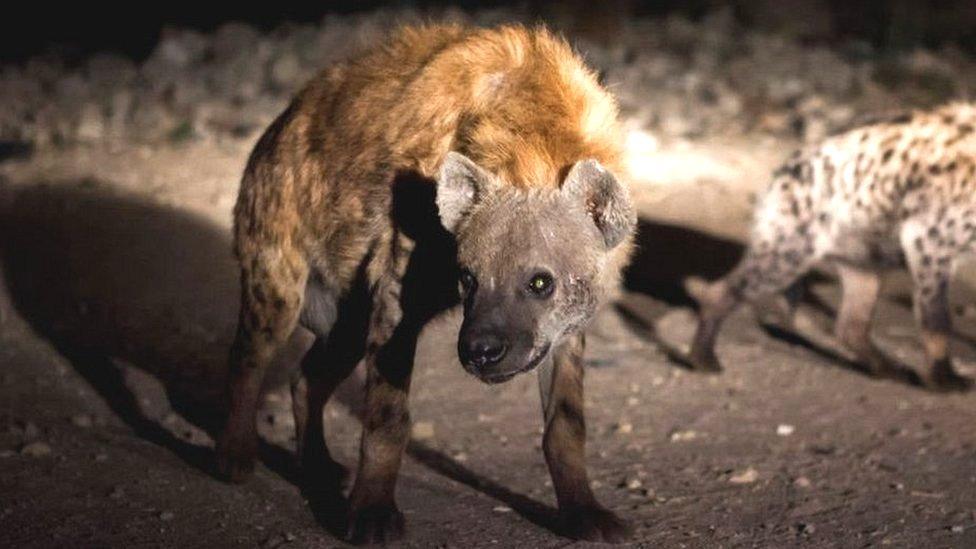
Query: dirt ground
{"type": "Point", "coordinates": [117, 309]}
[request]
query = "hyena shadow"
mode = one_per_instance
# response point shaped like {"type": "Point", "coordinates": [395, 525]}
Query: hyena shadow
{"type": "Point", "coordinates": [107, 277]}
{"type": "Point", "coordinates": [110, 280]}
{"type": "Point", "coordinates": [667, 255]}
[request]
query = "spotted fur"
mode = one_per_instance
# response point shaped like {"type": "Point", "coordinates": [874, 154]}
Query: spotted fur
{"type": "Point", "coordinates": [898, 190]}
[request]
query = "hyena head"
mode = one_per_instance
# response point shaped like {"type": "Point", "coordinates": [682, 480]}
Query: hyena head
{"type": "Point", "coordinates": [534, 262]}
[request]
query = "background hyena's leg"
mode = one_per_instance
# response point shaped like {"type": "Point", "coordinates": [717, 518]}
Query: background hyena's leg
{"type": "Point", "coordinates": [769, 266]}
{"type": "Point", "coordinates": [930, 262]}
{"type": "Point", "coordinates": [390, 348]}
{"type": "Point", "coordinates": [564, 441]}
{"type": "Point", "coordinates": [271, 298]}
{"type": "Point", "coordinates": [860, 290]}
{"type": "Point", "coordinates": [330, 360]}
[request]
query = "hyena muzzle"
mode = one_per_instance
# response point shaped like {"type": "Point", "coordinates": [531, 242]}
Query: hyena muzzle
{"type": "Point", "coordinates": [897, 191]}
{"type": "Point", "coordinates": [448, 166]}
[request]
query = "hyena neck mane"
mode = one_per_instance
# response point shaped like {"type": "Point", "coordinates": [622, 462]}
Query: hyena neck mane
{"type": "Point", "coordinates": [526, 107]}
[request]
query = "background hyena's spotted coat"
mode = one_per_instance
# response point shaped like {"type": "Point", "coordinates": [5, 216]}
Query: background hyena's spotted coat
{"type": "Point", "coordinates": [893, 190]}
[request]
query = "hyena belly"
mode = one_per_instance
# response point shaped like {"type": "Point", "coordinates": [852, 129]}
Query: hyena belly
{"type": "Point", "coordinates": [891, 193]}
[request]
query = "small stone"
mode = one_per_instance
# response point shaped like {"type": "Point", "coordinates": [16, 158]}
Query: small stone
{"type": "Point", "coordinates": [957, 529]}
{"type": "Point", "coordinates": [802, 482]}
{"type": "Point", "coordinates": [502, 509]}
{"type": "Point", "coordinates": [633, 401]}
{"type": "Point", "coordinates": [423, 430]}
{"type": "Point", "coordinates": [784, 429]}
{"type": "Point", "coordinates": [82, 420]}
{"type": "Point", "coordinates": [748, 476]}
{"type": "Point", "coordinates": [805, 529]}
{"type": "Point", "coordinates": [166, 516]}
{"type": "Point", "coordinates": [683, 436]}
{"type": "Point", "coordinates": [624, 428]}
{"type": "Point", "coordinates": [634, 484]}
{"type": "Point", "coordinates": [36, 449]}
{"type": "Point", "coordinates": [100, 457]}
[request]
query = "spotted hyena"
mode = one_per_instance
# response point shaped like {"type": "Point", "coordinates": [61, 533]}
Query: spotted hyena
{"type": "Point", "coordinates": [447, 166]}
{"type": "Point", "coordinates": [897, 190]}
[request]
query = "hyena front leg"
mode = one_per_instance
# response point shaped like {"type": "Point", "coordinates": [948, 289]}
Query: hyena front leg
{"type": "Point", "coordinates": [564, 441]}
{"type": "Point", "coordinates": [271, 298]}
{"type": "Point", "coordinates": [930, 263]}
{"type": "Point", "coordinates": [390, 348]}
{"type": "Point", "coordinates": [860, 289]}
{"type": "Point", "coordinates": [327, 364]}
{"type": "Point", "coordinates": [769, 266]}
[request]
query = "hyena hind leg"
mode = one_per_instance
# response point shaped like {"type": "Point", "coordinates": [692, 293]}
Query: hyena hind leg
{"type": "Point", "coordinates": [766, 269]}
{"type": "Point", "coordinates": [930, 262]}
{"type": "Point", "coordinates": [860, 289]}
{"type": "Point", "coordinates": [271, 298]}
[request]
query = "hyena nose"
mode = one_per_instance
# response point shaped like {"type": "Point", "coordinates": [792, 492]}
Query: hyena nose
{"type": "Point", "coordinates": [482, 350]}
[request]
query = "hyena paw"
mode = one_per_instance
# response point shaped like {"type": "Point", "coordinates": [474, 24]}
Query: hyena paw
{"type": "Point", "coordinates": [945, 379]}
{"type": "Point", "coordinates": [704, 361]}
{"type": "Point", "coordinates": [594, 523]}
{"type": "Point", "coordinates": [375, 524]}
{"type": "Point", "coordinates": [235, 458]}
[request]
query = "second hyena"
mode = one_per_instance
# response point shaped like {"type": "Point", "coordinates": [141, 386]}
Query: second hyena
{"type": "Point", "coordinates": [445, 159]}
{"type": "Point", "coordinates": [897, 190]}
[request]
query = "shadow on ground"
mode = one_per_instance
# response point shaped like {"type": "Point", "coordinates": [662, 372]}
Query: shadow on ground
{"type": "Point", "coordinates": [107, 277]}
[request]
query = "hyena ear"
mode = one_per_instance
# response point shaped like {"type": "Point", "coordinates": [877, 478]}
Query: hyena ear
{"type": "Point", "coordinates": [460, 185]}
{"type": "Point", "coordinates": [604, 198]}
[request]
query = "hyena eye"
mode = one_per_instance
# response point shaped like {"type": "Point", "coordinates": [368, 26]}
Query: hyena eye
{"type": "Point", "coordinates": [468, 281]}
{"type": "Point", "coordinates": [541, 284]}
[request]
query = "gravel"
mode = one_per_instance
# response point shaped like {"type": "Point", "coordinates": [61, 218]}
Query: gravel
{"type": "Point", "coordinates": [674, 77]}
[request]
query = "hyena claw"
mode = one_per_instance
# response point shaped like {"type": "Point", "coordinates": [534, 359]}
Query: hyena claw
{"type": "Point", "coordinates": [704, 361]}
{"type": "Point", "coordinates": [235, 460]}
{"type": "Point", "coordinates": [375, 524]}
{"type": "Point", "coordinates": [594, 523]}
{"type": "Point", "coordinates": [944, 379]}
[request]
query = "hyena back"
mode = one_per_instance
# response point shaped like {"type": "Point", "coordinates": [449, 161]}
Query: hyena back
{"type": "Point", "coordinates": [333, 231]}
{"type": "Point", "coordinates": [901, 189]}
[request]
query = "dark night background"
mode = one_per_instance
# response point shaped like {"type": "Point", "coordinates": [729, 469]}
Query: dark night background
{"type": "Point", "coordinates": [133, 29]}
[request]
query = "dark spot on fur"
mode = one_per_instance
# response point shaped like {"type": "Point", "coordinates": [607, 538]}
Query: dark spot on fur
{"type": "Point", "coordinates": [572, 415]}
{"type": "Point", "coordinates": [887, 156]}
